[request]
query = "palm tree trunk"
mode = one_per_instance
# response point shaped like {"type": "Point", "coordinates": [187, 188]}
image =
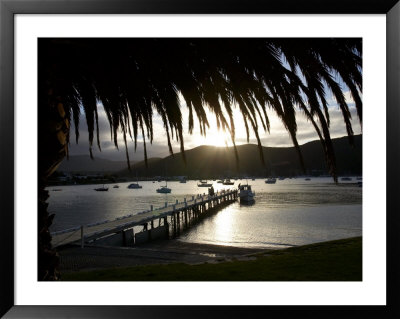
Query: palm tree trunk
{"type": "Point", "coordinates": [52, 146]}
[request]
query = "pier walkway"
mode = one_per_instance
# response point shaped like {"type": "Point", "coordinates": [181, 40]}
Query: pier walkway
{"type": "Point", "coordinates": [163, 222]}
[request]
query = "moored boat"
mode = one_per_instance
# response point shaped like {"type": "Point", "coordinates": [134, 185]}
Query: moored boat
{"type": "Point", "coordinates": [164, 189]}
{"type": "Point", "coordinates": [228, 182]}
{"type": "Point", "coordinates": [134, 186]}
{"type": "Point", "coordinates": [182, 180]}
{"type": "Point", "coordinates": [245, 193]}
{"type": "Point", "coordinates": [270, 180]}
{"type": "Point", "coordinates": [101, 189]}
{"type": "Point", "coordinates": [204, 184]}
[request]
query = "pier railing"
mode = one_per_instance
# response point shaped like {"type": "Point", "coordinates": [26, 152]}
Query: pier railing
{"type": "Point", "coordinates": [156, 222]}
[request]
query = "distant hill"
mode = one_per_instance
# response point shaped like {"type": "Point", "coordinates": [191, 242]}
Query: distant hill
{"type": "Point", "coordinates": [83, 163]}
{"type": "Point", "coordinates": [215, 162]}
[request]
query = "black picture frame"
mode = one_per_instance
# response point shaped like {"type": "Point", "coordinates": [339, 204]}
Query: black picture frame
{"type": "Point", "coordinates": [8, 10]}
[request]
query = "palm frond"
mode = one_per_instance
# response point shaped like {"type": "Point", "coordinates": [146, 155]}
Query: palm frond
{"type": "Point", "coordinates": [134, 78]}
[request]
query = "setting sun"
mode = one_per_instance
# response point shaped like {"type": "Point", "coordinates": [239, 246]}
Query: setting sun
{"type": "Point", "coordinates": [217, 136]}
{"type": "Point", "coordinates": [214, 138]}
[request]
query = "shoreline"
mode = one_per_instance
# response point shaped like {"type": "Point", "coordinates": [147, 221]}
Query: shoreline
{"type": "Point", "coordinates": [337, 260]}
{"type": "Point", "coordinates": [75, 259]}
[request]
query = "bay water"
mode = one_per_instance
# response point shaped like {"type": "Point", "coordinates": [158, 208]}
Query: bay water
{"type": "Point", "coordinates": [289, 213]}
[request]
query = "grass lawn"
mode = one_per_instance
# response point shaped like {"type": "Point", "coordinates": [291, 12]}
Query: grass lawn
{"type": "Point", "coordinates": [339, 260]}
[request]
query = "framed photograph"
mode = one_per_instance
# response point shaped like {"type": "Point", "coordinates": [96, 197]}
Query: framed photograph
{"type": "Point", "coordinates": [282, 53]}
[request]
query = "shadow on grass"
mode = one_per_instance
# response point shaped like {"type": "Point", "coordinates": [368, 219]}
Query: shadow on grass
{"type": "Point", "coordinates": [339, 260]}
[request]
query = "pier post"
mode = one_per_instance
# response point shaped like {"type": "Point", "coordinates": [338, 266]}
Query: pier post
{"type": "Point", "coordinates": [186, 219]}
{"type": "Point", "coordinates": [166, 204]}
{"type": "Point", "coordinates": [174, 224]}
{"type": "Point", "coordinates": [179, 222]}
{"type": "Point", "coordinates": [166, 226]}
{"type": "Point", "coordinates": [82, 238]}
{"type": "Point", "coordinates": [151, 207]}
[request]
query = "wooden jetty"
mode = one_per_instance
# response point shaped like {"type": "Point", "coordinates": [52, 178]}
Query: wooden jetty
{"type": "Point", "coordinates": [163, 222]}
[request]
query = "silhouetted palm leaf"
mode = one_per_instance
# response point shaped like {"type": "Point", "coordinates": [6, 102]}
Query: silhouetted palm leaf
{"type": "Point", "coordinates": [132, 78]}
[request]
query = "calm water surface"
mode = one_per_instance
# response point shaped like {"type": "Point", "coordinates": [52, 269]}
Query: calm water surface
{"type": "Point", "coordinates": [290, 212]}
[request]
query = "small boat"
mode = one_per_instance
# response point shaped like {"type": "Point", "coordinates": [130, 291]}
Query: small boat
{"type": "Point", "coordinates": [57, 190]}
{"type": "Point", "coordinates": [134, 186]}
{"type": "Point", "coordinates": [163, 190]}
{"type": "Point", "coordinates": [270, 180]}
{"type": "Point", "coordinates": [253, 179]}
{"type": "Point", "coordinates": [101, 189]}
{"type": "Point", "coordinates": [281, 178]}
{"type": "Point", "coordinates": [245, 193]}
{"type": "Point", "coordinates": [307, 179]}
{"type": "Point", "coordinates": [183, 181]}
{"type": "Point", "coordinates": [228, 182]}
{"type": "Point", "coordinates": [116, 186]}
{"type": "Point", "coordinates": [204, 184]}
{"type": "Point", "coordinates": [220, 181]}
{"type": "Point", "coordinates": [346, 179]}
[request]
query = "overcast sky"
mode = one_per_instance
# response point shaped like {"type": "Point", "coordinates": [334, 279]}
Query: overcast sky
{"type": "Point", "coordinates": [278, 135]}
